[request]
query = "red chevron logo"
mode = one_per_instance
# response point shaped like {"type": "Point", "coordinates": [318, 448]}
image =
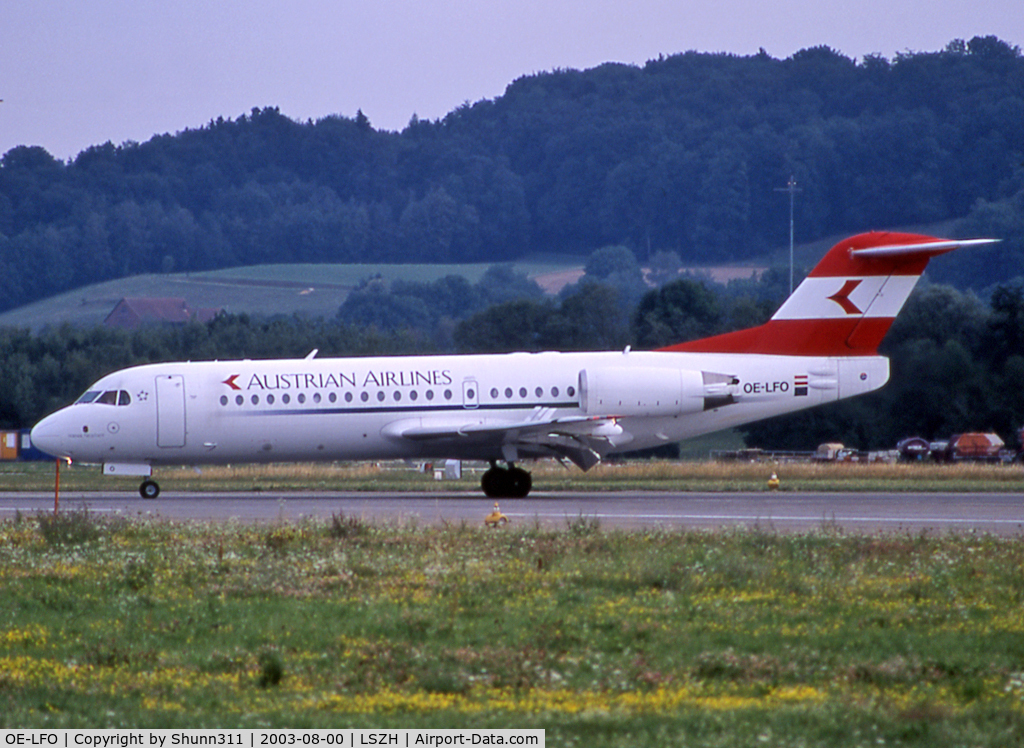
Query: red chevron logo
{"type": "Point", "coordinates": [230, 382]}
{"type": "Point", "coordinates": [842, 297]}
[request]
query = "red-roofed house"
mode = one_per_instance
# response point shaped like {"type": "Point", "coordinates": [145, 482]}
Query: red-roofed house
{"type": "Point", "coordinates": [131, 313]}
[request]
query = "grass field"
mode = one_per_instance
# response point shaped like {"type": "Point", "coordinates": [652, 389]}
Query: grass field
{"type": "Point", "coordinates": [306, 289]}
{"type": "Point", "coordinates": [547, 476]}
{"type": "Point", "coordinates": [602, 638]}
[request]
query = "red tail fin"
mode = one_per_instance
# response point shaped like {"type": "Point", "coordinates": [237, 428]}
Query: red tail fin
{"type": "Point", "coordinates": [845, 306]}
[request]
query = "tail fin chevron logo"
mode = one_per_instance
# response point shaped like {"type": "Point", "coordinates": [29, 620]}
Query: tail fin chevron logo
{"type": "Point", "coordinates": [842, 297]}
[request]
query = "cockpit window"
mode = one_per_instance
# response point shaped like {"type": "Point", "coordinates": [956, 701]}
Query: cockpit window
{"type": "Point", "coordinates": [110, 397]}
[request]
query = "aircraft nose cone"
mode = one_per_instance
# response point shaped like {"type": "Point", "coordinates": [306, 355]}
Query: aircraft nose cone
{"type": "Point", "coordinates": [48, 437]}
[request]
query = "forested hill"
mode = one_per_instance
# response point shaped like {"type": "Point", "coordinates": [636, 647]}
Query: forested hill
{"type": "Point", "coordinates": [684, 154]}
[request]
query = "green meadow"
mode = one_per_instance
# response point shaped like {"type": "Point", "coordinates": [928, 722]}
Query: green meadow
{"type": "Point", "coordinates": [603, 638]}
{"type": "Point", "coordinates": [312, 290]}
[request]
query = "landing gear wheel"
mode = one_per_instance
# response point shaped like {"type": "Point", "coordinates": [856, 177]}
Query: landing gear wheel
{"type": "Point", "coordinates": [492, 483]}
{"type": "Point", "coordinates": [520, 483]}
{"type": "Point", "coordinates": [149, 489]}
{"type": "Point", "coordinates": [511, 483]}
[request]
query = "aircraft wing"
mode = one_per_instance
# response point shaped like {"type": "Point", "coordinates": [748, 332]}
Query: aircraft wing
{"type": "Point", "coordinates": [581, 439]}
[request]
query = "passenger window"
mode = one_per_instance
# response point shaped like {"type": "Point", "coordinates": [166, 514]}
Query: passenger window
{"type": "Point", "coordinates": [508, 392]}
{"type": "Point", "coordinates": [522, 392]}
{"type": "Point", "coordinates": [270, 399]}
{"type": "Point", "coordinates": [494, 393]}
{"type": "Point", "coordinates": [539, 392]}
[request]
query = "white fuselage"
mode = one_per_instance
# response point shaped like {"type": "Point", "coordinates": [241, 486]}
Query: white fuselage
{"type": "Point", "coordinates": [435, 407]}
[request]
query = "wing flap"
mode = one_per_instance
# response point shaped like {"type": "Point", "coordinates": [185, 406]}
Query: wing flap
{"type": "Point", "coordinates": [420, 429]}
{"type": "Point", "coordinates": [580, 439]}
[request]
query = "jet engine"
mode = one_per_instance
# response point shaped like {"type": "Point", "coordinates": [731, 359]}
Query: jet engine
{"type": "Point", "coordinates": [637, 391]}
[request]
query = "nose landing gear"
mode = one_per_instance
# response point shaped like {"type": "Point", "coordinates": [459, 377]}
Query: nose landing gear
{"type": "Point", "coordinates": [506, 483]}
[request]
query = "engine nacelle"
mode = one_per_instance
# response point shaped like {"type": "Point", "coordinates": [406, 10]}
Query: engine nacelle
{"type": "Point", "coordinates": [636, 391]}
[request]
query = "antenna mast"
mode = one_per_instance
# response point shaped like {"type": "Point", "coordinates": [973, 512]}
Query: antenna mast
{"type": "Point", "coordinates": [791, 188]}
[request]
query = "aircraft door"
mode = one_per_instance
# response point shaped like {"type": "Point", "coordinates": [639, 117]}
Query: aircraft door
{"type": "Point", "coordinates": [470, 393]}
{"type": "Point", "coordinates": [170, 411]}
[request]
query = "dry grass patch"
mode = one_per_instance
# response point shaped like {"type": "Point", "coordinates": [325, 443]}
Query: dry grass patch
{"type": "Point", "coordinates": [653, 475]}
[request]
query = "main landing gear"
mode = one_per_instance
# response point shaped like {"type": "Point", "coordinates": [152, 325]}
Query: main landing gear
{"type": "Point", "coordinates": [149, 489]}
{"type": "Point", "coordinates": [506, 483]}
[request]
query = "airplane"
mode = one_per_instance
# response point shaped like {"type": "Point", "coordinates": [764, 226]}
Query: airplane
{"type": "Point", "coordinates": [820, 346]}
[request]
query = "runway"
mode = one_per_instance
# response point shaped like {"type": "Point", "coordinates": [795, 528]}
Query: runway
{"type": "Point", "coordinates": [852, 513]}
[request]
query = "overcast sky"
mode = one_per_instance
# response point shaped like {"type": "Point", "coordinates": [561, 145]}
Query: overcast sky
{"type": "Point", "coordinates": [75, 73]}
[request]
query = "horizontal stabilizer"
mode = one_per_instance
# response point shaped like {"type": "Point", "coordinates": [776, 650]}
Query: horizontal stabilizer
{"type": "Point", "coordinates": [929, 248]}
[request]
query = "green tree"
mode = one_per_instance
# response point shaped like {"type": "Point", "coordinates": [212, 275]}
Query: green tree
{"type": "Point", "coordinates": [1006, 324]}
{"type": "Point", "coordinates": [722, 219]}
{"type": "Point", "coordinates": [615, 266]}
{"type": "Point", "coordinates": [373, 306]}
{"type": "Point", "coordinates": [677, 312]}
{"type": "Point", "coordinates": [505, 327]}
{"type": "Point", "coordinates": [501, 283]}
{"type": "Point", "coordinates": [586, 321]}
